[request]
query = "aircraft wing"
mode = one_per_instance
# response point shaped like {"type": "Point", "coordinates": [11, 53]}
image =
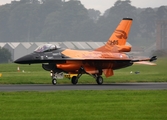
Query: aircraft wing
{"type": "Point", "coordinates": [31, 60]}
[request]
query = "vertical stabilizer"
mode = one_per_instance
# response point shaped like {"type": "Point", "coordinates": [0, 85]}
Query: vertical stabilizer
{"type": "Point", "coordinates": [118, 39]}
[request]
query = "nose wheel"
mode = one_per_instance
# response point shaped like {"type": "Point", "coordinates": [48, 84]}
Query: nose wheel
{"type": "Point", "coordinates": [54, 81]}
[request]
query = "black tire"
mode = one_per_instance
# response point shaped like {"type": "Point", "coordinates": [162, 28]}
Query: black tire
{"type": "Point", "coordinates": [74, 80]}
{"type": "Point", "coordinates": [99, 80]}
{"type": "Point", "coordinates": [54, 81]}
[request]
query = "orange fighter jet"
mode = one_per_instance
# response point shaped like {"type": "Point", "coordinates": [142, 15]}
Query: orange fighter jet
{"type": "Point", "coordinates": [105, 59]}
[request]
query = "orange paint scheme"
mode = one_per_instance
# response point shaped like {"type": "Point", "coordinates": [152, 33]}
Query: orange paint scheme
{"type": "Point", "coordinates": [110, 52]}
{"type": "Point", "coordinates": [93, 54]}
{"type": "Point", "coordinates": [70, 66]}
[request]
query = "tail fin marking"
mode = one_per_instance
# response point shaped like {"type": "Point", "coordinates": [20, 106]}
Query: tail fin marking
{"type": "Point", "coordinates": [118, 39]}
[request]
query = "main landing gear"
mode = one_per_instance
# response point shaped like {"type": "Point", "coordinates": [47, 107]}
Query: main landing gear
{"type": "Point", "coordinates": [74, 79]}
{"type": "Point", "coordinates": [98, 78]}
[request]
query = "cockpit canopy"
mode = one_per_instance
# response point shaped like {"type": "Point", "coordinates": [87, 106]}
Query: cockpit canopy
{"type": "Point", "coordinates": [46, 48]}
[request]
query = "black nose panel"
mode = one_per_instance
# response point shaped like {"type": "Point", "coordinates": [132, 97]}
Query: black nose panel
{"type": "Point", "coordinates": [25, 59]}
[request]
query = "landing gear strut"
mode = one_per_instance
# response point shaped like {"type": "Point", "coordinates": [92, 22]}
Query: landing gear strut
{"type": "Point", "coordinates": [54, 81]}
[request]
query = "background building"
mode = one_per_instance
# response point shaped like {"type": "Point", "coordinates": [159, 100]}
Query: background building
{"type": "Point", "coordinates": [20, 49]}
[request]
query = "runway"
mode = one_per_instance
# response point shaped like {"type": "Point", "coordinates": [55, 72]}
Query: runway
{"type": "Point", "coordinates": [114, 86]}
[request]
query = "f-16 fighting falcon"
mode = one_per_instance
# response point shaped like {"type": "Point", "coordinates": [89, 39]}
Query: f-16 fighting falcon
{"type": "Point", "coordinates": [102, 60]}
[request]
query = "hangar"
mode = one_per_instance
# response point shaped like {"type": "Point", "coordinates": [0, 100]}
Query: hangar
{"type": "Point", "coordinates": [19, 49]}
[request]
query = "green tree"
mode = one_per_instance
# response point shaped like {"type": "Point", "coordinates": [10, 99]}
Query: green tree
{"type": "Point", "coordinates": [4, 30]}
{"type": "Point", "coordinates": [94, 14]}
{"type": "Point", "coordinates": [60, 20]}
{"type": "Point", "coordinates": [5, 55]}
{"type": "Point", "coordinates": [162, 12]}
{"type": "Point", "coordinates": [67, 23]}
{"type": "Point", "coordinates": [148, 22]}
{"type": "Point", "coordinates": [24, 21]}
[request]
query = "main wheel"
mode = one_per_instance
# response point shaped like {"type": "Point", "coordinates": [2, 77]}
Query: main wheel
{"type": "Point", "coordinates": [74, 80]}
{"type": "Point", "coordinates": [99, 80]}
{"type": "Point", "coordinates": [54, 81]}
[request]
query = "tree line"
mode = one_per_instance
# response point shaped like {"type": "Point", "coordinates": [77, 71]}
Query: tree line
{"type": "Point", "coordinates": [5, 55]}
{"type": "Point", "coordinates": [60, 20]}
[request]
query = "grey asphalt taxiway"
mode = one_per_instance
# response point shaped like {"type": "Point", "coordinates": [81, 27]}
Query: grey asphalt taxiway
{"type": "Point", "coordinates": [114, 86]}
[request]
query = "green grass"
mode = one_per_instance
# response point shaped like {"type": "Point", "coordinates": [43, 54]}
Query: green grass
{"type": "Point", "coordinates": [89, 105]}
{"type": "Point", "coordinates": [35, 74]}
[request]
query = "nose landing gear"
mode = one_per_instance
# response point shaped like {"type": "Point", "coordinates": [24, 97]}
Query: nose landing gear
{"type": "Point", "coordinates": [56, 76]}
{"type": "Point", "coordinates": [54, 81]}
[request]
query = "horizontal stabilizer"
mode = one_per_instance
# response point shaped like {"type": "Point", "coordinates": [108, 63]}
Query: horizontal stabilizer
{"type": "Point", "coordinates": [147, 61]}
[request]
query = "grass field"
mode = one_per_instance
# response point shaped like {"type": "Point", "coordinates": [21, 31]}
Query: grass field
{"type": "Point", "coordinates": [89, 105]}
{"type": "Point", "coordinates": [35, 74]}
{"type": "Point", "coordinates": [84, 104]}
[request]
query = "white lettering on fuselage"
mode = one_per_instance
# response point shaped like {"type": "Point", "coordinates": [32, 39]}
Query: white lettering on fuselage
{"type": "Point", "coordinates": [54, 54]}
{"type": "Point", "coordinates": [42, 57]}
{"type": "Point", "coordinates": [50, 57]}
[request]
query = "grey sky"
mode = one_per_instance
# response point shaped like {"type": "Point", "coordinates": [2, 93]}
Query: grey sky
{"type": "Point", "coordinates": [102, 5]}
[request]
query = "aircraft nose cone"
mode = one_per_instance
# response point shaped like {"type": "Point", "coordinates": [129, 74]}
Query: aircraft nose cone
{"type": "Point", "coordinates": [24, 60]}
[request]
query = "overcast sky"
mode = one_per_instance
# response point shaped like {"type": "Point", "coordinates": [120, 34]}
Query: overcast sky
{"type": "Point", "coordinates": [102, 5]}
